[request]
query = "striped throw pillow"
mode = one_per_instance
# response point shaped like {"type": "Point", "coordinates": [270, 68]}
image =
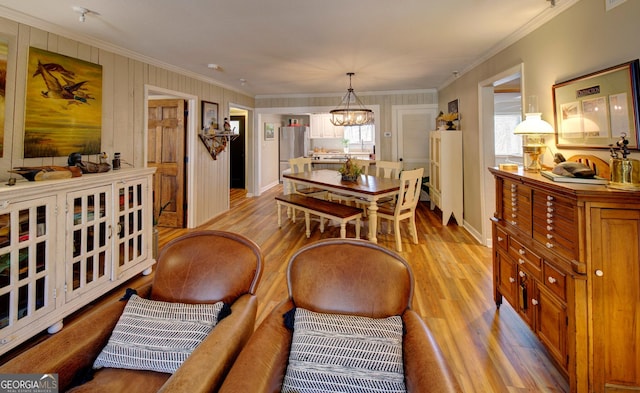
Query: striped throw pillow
{"type": "Point", "coordinates": [344, 353]}
{"type": "Point", "coordinates": [157, 336]}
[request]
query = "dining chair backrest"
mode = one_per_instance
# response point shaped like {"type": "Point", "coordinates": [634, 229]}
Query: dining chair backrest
{"type": "Point", "coordinates": [409, 195]}
{"type": "Point", "coordinates": [364, 164]}
{"type": "Point", "coordinates": [300, 164]}
{"type": "Point", "coordinates": [388, 169]}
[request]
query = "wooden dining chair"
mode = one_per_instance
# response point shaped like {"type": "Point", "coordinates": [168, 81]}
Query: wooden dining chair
{"type": "Point", "coordinates": [388, 169]}
{"type": "Point", "coordinates": [299, 165]}
{"type": "Point", "coordinates": [405, 206]}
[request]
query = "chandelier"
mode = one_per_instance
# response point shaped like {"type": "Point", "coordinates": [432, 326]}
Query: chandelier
{"type": "Point", "coordinates": [351, 112]}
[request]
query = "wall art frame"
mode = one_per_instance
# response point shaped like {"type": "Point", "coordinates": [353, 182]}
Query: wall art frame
{"type": "Point", "coordinates": [63, 105]}
{"type": "Point", "coordinates": [269, 131]}
{"type": "Point", "coordinates": [210, 119]}
{"type": "Point", "coordinates": [594, 110]}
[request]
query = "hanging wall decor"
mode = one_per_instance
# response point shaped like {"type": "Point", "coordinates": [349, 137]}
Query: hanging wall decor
{"type": "Point", "coordinates": [63, 109]}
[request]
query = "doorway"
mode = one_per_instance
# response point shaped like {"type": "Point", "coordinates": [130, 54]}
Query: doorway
{"type": "Point", "coordinates": [511, 80]}
{"type": "Point", "coordinates": [166, 141]}
{"type": "Point", "coordinates": [238, 152]}
{"type": "Point", "coordinates": [152, 93]}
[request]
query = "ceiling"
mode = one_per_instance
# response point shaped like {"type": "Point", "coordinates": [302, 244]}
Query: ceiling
{"type": "Point", "coordinates": [286, 47]}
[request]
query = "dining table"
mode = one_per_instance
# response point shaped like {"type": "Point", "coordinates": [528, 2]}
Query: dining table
{"type": "Point", "coordinates": [366, 187]}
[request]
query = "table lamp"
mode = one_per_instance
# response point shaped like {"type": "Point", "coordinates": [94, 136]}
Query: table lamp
{"type": "Point", "coordinates": [533, 130]}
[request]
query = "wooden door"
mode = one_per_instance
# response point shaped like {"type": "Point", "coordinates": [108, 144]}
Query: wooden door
{"type": "Point", "coordinates": [414, 124]}
{"type": "Point", "coordinates": [615, 278]}
{"type": "Point", "coordinates": [166, 152]}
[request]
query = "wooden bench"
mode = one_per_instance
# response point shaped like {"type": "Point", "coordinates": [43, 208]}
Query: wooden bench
{"type": "Point", "coordinates": [321, 208]}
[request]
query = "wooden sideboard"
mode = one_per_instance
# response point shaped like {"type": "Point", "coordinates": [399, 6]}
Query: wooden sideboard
{"type": "Point", "coordinates": [567, 258]}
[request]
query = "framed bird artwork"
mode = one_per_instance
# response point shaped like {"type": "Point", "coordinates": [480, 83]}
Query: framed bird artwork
{"type": "Point", "coordinates": [63, 109]}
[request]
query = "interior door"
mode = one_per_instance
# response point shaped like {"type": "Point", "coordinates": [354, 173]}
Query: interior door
{"type": "Point", "coordinates": [166, 152]}
{"type": "Point", "coordinates": [414, 124]}
{"type": "Point", "coordinates": [238, 153]}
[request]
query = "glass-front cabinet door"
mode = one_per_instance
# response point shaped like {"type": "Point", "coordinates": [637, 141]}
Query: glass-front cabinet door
{"type": "Point", "coordinates": [88, 252]}
{"type": "Point", "coordinates": [131, 240]}
{"type": "Point", "coordinates": [27, 266]}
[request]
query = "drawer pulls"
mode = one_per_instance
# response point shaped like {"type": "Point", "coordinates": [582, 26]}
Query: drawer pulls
{"type": "Point", "coordinates": [552, 280]}
{"type": "Point", "coordinates": [534, 302]}
{"type": "Point", "coordinates": [549, 245]}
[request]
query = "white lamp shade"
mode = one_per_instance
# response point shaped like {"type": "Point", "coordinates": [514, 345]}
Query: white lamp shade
{"type": "Point", "coordinates": [533, 124]}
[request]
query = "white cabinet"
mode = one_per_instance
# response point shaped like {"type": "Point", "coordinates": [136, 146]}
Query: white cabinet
{"type": "Point", "coordinates": [445, 173]}
{"type": "Point", "coordinates": [321, 127]}
{"type": "Point", "coordinates": [64, 243]}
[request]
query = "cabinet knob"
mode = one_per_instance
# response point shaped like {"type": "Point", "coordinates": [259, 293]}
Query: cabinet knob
{"type": "Point", "coordinates": [549, 203]}
{"type": "Point", "coordinates": [549, 236]}
{"type": "Point", "coordinates": [599, 273]}
{"type": "Point", "coordinates": [513, 215]}
{"type": "Point", "coordinates": [549, 245]}
{"type": "Point", "coordinates": [549, 228]}
{"type": "Point", "coordinates": [549, 198]}
{"type": "Point", "coordinates": [521, 274]}
{"type": "Point", "coordinates": [549, 215]}
{"type": "Point", "coordinates": [550, 209]}
{"type": "Point", "coordinates": [512, 280]}
{"type": "Point", "coordinates": [514, 223]}
{"type": "Point", "coordinates": [521, 261]}
{"type": "Point", "coordinates": [521, 251]}
{"type": "Point", "coordinates": [500, 238]}
{"type": "Point", "coordinates": [534, 302]}
{"type": "Point", "coordinates": [549, 221]}
{"type": "Point", "coordinates": [551, 280]}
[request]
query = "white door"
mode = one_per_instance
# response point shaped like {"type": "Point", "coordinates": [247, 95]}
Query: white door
{"type": "Point", "coordinates": [412, 125]}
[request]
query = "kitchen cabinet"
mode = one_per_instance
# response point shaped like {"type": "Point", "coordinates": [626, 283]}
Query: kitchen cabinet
{"type": "Point", "coordinates": [64, 243]}
{"type": "Point", "coordinates": [321, 127]}
{"type": "Point", "coordinates": [567, 258]}
{"type": "Point", "coordinates": [445, 173]}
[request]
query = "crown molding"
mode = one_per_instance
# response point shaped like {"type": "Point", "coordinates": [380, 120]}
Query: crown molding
{"type": "Point", "coordinates": [542, 18]}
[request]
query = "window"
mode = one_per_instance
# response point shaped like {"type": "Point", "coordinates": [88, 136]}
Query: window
{"type": "Point", "coordinates": [506, 143]}
{"type": "Point", "coordinates": [363, 135]}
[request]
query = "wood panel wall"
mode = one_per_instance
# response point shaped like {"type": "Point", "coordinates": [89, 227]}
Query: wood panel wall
{"type": "Point", "coordinates": [123, 117]}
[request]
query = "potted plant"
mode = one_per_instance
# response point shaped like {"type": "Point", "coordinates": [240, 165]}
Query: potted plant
{"type": "Point", "coordinates": [350, 171]}
{"type": "Point", "coordinates": [345, 145]}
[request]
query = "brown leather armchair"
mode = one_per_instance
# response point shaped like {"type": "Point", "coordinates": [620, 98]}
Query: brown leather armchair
{"type": "Point", "coordinates": [342, 276]}
{"type": "Point", "coordinates": [199, 267]}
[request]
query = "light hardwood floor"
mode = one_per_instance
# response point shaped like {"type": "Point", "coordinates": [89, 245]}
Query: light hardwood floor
{"type": "Point", "coordinates": [489, 350]}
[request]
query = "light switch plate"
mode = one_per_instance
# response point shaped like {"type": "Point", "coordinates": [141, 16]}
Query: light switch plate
{"type": "Point", "coordinates": [611, 4]}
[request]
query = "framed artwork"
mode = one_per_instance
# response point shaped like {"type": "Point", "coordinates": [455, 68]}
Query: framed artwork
{"type": "Point", "coordinates": [594, 110]}
{"type": "Point", "coordinates": [63, 109]}
{"type": "Point", "coordinates": [209, 111]}
{"type": "Point", "coordinates": [269, 131]}
{"type": "Point", "coordinates": [452, 106]}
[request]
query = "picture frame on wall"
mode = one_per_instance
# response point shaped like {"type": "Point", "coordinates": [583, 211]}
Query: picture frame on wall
{"type": "Point", "coordinates": [595, 110]}
{"type": "Point", "coordinates": [209, 113]}
{"type": "Point", "coordinates": [269, 131]}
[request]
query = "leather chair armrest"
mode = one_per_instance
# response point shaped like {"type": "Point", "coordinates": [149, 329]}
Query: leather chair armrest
{"type": "Point", "coordinates": [425, 367]}
{"type": "Point", "coordinates": [205, 369]}
{"type": "Point", "coordinates": [261, 365]}
{"type": "Point", "coordinates": [75, 347]}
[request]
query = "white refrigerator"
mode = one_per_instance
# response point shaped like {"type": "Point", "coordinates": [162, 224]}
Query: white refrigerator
{"type": "Point", "coordinates": [294, 142]}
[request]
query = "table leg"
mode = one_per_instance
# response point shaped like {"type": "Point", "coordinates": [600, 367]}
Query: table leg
{"type": "Point", "coordinates": [373, 221]}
